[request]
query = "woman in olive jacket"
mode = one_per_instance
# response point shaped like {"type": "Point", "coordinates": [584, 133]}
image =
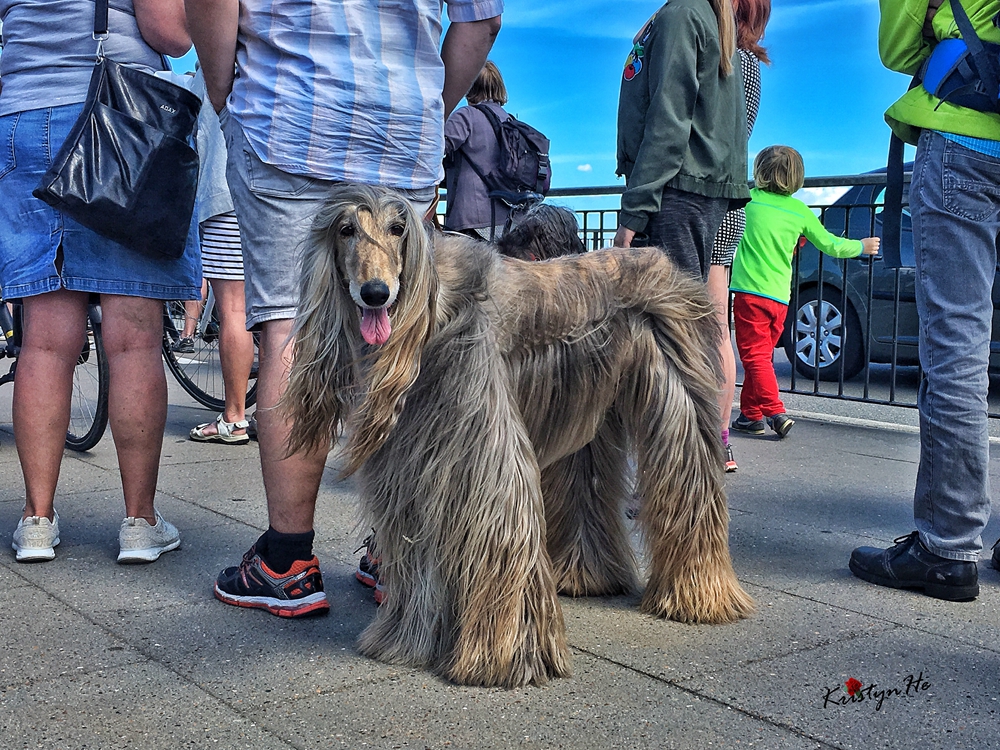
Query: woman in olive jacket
{"type": "Point", "coordinates": [682, 139]}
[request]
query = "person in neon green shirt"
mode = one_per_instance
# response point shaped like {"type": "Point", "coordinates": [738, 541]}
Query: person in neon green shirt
{"type": "Point", "coordinates": [762, 278]}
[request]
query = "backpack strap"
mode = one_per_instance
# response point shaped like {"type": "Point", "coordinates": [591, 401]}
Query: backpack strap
{"type": "Point", "coordinates": [892, 209]}
{"type": "Point", "coordinates": [478, 171]}
{"type": "Point", "coordinates": [460, 156]}
{"type": "Point", "coordinates": [492, 117]}
{"type": "Point", "coordinates": [494, 121]}
{"type": "Point", "coordinates": [986, 67]}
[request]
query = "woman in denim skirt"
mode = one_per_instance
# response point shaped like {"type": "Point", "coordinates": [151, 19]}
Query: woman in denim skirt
{"type": "Point", "coordinates": [53, 265]}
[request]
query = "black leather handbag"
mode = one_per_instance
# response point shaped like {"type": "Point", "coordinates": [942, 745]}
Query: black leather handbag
{"type": "Point", "coordinates": [126, 169]}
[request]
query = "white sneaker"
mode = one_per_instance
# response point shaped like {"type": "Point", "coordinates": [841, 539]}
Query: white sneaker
{"type": "Point", "coordinates": [35, 537]}
{"type": "Point", "coordinates": [140, 542]}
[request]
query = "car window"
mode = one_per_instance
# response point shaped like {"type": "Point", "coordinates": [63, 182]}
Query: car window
{"type": "Point", "coordinates": [880, 201]}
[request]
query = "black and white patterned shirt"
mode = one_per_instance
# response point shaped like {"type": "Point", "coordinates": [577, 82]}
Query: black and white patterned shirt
{"type": "Point", "coordinates": [729, 234]}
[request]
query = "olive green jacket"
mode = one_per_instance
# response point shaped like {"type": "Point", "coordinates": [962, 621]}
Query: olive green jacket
{"type": "Point", "coordinates": [903, 47]}
{"type": "Point", "coordinates": [681, 124]}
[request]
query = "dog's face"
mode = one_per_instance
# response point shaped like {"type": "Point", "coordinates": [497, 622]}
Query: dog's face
{"type": "Point", "coordinates": [370, 255]}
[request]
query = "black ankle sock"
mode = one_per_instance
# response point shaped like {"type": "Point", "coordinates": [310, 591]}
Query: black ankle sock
{"type": "Point", "coordinates": [280, 551]}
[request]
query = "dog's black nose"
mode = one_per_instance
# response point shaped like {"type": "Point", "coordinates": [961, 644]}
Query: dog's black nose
{"type": "Point", "coordinates": [374, 293]}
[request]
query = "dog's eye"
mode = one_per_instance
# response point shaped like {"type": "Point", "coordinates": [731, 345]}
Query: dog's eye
{"type": "Point", "coordinates": [396, 230]}
{"type": "Point", "coordinates": [347, 230]}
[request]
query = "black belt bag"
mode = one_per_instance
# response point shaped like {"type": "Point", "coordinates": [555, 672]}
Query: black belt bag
{"type": "Point", "coordinates": [126, 169]}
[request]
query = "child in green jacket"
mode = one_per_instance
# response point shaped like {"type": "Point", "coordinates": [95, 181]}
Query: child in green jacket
{"type": "Point", "coordinates": [762, 276]}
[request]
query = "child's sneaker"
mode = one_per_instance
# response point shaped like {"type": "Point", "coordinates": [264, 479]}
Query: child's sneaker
{"type": "Point", "coordinates": [730, 460]}
{"type": "Point", "coordinates": [749, 426]}
{"type": "Point", "coordinates": [35, 538]}
{"type": "Point", "coordinates": [781, 424]}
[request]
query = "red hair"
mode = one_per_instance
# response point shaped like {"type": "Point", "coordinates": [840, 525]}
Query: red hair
{"type": "Point", "coordinates": [751, 18]}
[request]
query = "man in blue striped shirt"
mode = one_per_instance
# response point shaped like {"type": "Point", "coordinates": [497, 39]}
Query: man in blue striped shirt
{"type": "Point", "coordinates": [310, 93]}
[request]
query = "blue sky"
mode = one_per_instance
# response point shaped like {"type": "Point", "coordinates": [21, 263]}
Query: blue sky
{"type": "Point", "coordinates": [824, 94]}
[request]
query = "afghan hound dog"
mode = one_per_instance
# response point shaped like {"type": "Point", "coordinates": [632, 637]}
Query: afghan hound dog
{"type": "Point", "coordinates": [491, 406]}
{"type": "Point", "coordinates": [544, 232]}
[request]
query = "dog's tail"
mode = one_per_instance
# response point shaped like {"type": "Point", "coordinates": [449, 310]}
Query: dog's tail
{"type": "Point", "coordinates": [674, 406]}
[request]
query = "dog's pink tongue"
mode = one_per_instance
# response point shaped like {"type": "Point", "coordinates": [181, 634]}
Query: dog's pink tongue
{"type": "Point", "coordinates": [375, 325]}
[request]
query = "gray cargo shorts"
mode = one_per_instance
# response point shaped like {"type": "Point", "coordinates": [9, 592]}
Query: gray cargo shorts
{"type": "Point", "coordinates": [275, 210]}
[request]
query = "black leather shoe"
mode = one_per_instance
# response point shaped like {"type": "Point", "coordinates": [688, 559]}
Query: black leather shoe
{"type": "Point", "coordinates": [908, 565]}
{"type": "Point", "coordinates": [996, 554]}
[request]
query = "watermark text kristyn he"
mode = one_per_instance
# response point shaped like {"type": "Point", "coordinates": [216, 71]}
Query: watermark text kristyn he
{"type": "Point", "coordinates": [854, 691]}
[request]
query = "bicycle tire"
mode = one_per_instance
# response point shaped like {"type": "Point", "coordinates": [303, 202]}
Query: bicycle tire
{"type": "Point", "coordinates": [88, 417]}
{"type": "Point", "coordinates": [199, 372]}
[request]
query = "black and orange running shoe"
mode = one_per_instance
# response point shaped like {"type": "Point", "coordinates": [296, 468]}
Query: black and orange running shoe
{"type": "Point", "coordinates": [367, 572]}
{"type": "Point", "coordinates": [297, 593]}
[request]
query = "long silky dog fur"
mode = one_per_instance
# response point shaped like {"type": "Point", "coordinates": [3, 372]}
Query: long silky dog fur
{"type": "Point", "coordinates": [491, 434]}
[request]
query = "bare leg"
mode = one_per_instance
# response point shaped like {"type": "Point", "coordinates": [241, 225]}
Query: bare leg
{"type": "Point", "coordinates": [235, 350]}
{"type": "Point", "coordinates": [54, 330]}
{"type": "Point", "coordinates": [291, 483]}
{"type": "Point", "coordinates": [718, 290]}
{"type": "Point", "coordinates": [137, 386]}
{"type": "Point", "coordinates": [192, 311]}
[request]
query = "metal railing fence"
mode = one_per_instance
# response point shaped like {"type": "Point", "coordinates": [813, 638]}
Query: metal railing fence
{"type": "Point", "coordinates": [854, 318]}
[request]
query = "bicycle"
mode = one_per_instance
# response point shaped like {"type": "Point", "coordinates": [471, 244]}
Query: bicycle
{"type": "Point", "coordinates": [89, 404]}
{"type": "Point", "coordinates": [199, 372]}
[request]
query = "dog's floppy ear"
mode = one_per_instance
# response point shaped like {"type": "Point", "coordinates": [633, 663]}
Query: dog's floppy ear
{"type": "Point", "coordinates": [324, 374]}
{"type": "Point", "coordinates": [397, 362]}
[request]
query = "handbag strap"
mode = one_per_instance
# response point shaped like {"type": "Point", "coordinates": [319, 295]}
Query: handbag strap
{"type": "Point", "coordinates": [100, 26]}
{"type": "Point", "coordinates": [100, 20]}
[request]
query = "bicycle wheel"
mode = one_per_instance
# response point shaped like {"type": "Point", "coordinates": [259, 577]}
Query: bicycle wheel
{"type": "Point", "coordinates": [199, 372]}
{"type": "Point", "coordinates": [88, 416]}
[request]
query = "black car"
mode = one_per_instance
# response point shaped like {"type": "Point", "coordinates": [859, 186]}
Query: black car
{"type": "Point", "coordinates": [843, 313]}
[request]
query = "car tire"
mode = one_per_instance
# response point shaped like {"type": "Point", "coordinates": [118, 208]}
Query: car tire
{"type": "Point", "coordinates": [839, 336]}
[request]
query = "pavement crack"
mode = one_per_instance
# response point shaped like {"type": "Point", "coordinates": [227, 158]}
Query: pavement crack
{"type": "Point", "coordinates": [149, 653]}
{"type": "Point", "coordinates": [877, 618]}
{"type": "Point", "coordinates": [711, 699]}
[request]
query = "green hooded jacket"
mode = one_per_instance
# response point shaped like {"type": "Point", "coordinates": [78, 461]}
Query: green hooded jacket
{"type": "Point", "coordinates": [681, 124]}
{"type": "Point", "coordinates": [903, 47]}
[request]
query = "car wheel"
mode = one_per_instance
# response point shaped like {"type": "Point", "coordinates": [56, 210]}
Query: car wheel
{"type": "Point", "coordinates": [821, 335]}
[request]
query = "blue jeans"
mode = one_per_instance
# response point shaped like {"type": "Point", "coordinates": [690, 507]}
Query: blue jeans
{"type": "Point", "coordinates": [955, 204]}
{"type": "Point", "coordinates": [41, 250]}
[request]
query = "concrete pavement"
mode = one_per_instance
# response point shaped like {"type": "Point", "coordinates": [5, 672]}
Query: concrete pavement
{"type": "Point", "coordinates": [97, 655]}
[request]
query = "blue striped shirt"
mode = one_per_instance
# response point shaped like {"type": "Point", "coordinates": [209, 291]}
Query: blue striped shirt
{"type": "Point", "coordinates": [979, 145]}
{"type": "Point", "coordinates": [347, 89]}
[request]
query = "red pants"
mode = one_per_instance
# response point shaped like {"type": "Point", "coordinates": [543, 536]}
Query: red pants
{"type": "Point", "coordinates": [759, 322]}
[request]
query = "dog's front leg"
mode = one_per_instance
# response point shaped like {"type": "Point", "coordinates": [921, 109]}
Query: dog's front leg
{"type": "Point", "coordinates": [456, 500]}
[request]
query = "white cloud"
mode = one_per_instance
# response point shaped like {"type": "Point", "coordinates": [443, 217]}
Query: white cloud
{"type": "Point", "coordinates": [821, 196]}
{"type": "Point", "coordinates": [584, 168]}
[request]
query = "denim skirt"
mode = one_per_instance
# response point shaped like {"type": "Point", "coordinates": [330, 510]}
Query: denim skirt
{"type": "Point", "coordinates": [42, 251]}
